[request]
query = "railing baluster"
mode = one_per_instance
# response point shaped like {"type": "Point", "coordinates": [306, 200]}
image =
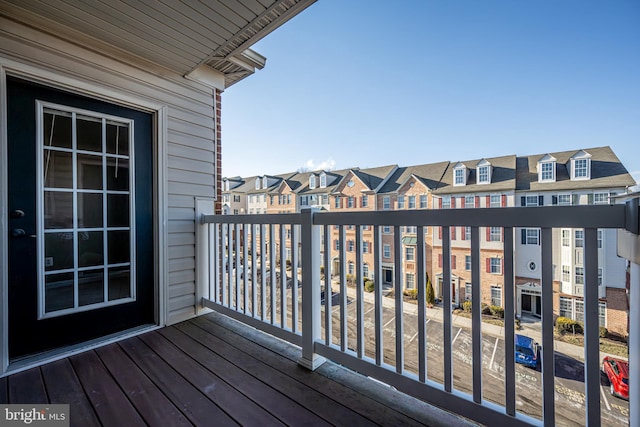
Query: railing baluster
{"type": "Point", "coordinates": [422, 308]}
{"type": "Point", "coordinates": [359, 293]}
{"type": "Point", "coordinates": [245, 275]}
{"type": "Point", "coordinates": [328, 310]}
{"type": "Point", "coordinates": [215, 246]}
{"type": "Point", "coordinates": [377, 242]}
{"type": "Point", "coordinates": [263, 272]}
{"type": "Point", "coordinates": [344, 339]}
{"type": "Point", "coordinates": [476, 319]}
{"type": "Point", "coordinates": [237, 261]}
{"type": "Point", "coordinates": [592, 327]}
{"type": "Point", "coordinates": [272, 265]}
{"type": "Point", "coordinates": [254, 271]}
{"type": "Point", "coordinates": [294, 274]}
{"type": "Point", "coordinates": [548, 363]}
{"type": "Point", "coordinates": [226, 262]}
{"type": "Point", "coordinates": [446, 306]}
{"type": "Point", "coordinates": [509, 316]}
{"type": "Point", "coordinates": [283, 275]}
{"type": "Point", "coordinates": [397, 252]}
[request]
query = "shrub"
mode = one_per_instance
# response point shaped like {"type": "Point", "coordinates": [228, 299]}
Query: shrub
{"type": "Point", "coordinates": [565, 325]}
{"type": "Point", "coordinates": [369, 285]}
{"type": "Point", "coordinates": [411, 293]}
{"type": "Point", "coordinates": [486, 309]}
{"type": "Point", "coordinates": [431, 296]}
{"type": "Point", "coordinates": [466, 306]}
{"type": "Point", "coordinates": [351, 279]}
{"type": "Point", "coordinates": [604, 332]}
{"type": "Point", "coordinates": [497, 311]}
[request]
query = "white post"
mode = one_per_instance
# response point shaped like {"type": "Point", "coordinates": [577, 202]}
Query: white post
{"type": "Point", "coordinates": [310, 291]}
{"type": "Point", "coordinates": [634, 345]}
{"type": "Point", "coordinates": [203, 267]}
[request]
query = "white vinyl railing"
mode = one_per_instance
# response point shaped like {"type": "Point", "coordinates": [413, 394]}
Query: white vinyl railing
{"type": "Point", "coordinates": [251, 280]}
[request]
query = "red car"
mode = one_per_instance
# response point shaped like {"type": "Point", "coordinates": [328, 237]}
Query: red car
{"type": "Point", "coordinates": [617, 371]}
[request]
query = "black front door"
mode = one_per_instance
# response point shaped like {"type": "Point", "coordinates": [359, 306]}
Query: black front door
{"type": "Point", "coordinates": [80, 181]}
{"type": "Point", "coordinates": [526, 302]}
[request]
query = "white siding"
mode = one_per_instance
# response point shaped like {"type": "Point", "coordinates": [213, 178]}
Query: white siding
{"type": "Point", "coordinates": [190, 150]}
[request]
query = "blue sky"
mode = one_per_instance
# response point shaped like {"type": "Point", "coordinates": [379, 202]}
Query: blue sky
{"type": "Point", "coordinates": [370, 83]}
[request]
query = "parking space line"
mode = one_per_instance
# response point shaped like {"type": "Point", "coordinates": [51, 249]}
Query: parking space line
{"type": "Point", "coordinates": [456, 337]}
{"type": "Point", "coordinates": [413, 337]}
{"type": "Point", "coordinates": [604, 397]}
{"type": "Point", "coordinates": [370, 310]}
{"type": "Point", "coordinates": [389, 322]}
{"type": "Point", "coordinates": [493, 356]}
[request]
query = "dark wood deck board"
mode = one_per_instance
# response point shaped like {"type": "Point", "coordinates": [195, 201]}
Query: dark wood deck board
{"type": "Point", "coordinates": [111, 405]}
{"type": "Point", "coordinates": [154, 407]}
{"type": "Point", "coordinates": [27, 387]}
{"type": "Point", "coordinates": [365, 406]}
{"type": "Point", "coordinates": [63, 386]}
{"type": "Point", "coordinates": [277, 403]}
{"type": "Point", "coordinates": [237, 405]}
{"type": "Point", "coordinates": [260, 366]}
{"type": "Point", "coordinates": [195, 405]}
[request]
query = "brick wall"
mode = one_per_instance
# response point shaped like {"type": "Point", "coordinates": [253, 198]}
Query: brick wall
{"type": "Point", "coordinates": [617, 311]}
{"type": "Point", "coordinates": [218, 148]}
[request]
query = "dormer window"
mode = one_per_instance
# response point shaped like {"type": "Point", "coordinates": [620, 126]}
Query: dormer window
{"type": "Point", "coordinates": [483, 172]}
{"type": "Point", "coordinates": [323, 180]}
{"type": "Point", "coordinates": [225, 185]}
{"type": "Point", "coordinates": [459, 174]}
{"type": "Point", "coordinates": [257, 183]}
{"type": "Point", "coordinates": [265, 182]}
{"type": "Point", "coordinates": [580, 165]}
{"type": "Point", "coordinates": [547, 169]}
{"type": "Point", "coordinates": [312, 182]}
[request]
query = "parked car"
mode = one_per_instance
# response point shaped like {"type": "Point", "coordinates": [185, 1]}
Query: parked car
{"type": "Point", "coordinates": [527, 351]}
{"type": "Point", "coordinates": [617, 371]}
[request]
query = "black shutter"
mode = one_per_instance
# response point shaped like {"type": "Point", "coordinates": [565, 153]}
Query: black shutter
{"type": "Point", "coordinates": [540, 200]}
{"type": "Point", "coordinates": [554, 200]}
{"type": "Point", "coordinates": [523, 236]}
{"type": "Point", "coordinates": [523, 201]}
{"type": "Point", "coordinates": [539, 236]}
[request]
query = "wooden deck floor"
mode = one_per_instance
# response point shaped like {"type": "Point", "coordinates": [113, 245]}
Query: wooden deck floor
{"type": "Point", "coordinates": [211, 371]}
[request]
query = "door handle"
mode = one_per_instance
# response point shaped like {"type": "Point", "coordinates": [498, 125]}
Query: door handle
{"type": "Point", "coordinates": [19, 232]}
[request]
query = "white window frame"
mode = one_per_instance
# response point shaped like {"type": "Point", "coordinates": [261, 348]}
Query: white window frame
{"type": "Point", "coordinates": [566, 273]}
{"type": "Point", "coordinates": [410, 253]}
{"type": "Point", "coordinates": [386, 203]}
{"type": "Point", "coordinates": [495, 234]}
{"type": "Point", "coordinates": [579, 275]}
{"type": "Point", "coordinates": [469, 201]}
{"type": "Point", "coordinates": [547, 172]}
{"type": "Point", "coordinates": [312, 182]}
{"type": "Point", "coordinates": [467, 262]}
{"type": "Point", "coordinates": [495, 265]}
{"type": "Point", "coordinates": [446, 202]}
{"type": "Point", "coordinates": [410, 281]}
{"type": "Point", "coordinates": [323, 180]}
{"type": "Point", "coordinates": [459, 176]}
{"type": "Point", "coordinates": [566, 307]}
{"type": "Point", "coordinates": [580, 169]}
{"type": "Point", "coordinates": [350, 202]}
{"type": "Point", "coordinates": [600, 198]}
{"type": "Point", "coordinates": [578, 238]}
{"type": "Point", "coordinates": [532, 236]}
{"type": "Point", "coordinates": [496, 295]}
{"type": "Point", "coordinates": [400, 202]}
{"type": "Point", "coordinates": [365, 201]}
{"type": "Point", "coordinates": [531, 200]}
{"type": "Point", "coordinates": [423, 201]}
{"type": "Point", "coordinates": [495, 200]}
{"type": "Point", "coordinates": [386, 251]}
{"type": "Point", "coordinates": [566, 237]}
{"type": "Point", "coordinates": [386, 229]}
{"type": "Point", "coordinates": [484, 174]}
{"type": "Point", "coordinates": [467, 233]}
{"type": "Point", "coordinates": [412, 202]}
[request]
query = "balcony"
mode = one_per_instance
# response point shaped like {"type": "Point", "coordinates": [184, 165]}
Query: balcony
{"type": "Point", "coordinates": [287, 344]}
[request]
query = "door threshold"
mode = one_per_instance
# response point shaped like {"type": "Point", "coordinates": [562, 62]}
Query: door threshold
{"type": "Point", "coordinates": [31, 361]}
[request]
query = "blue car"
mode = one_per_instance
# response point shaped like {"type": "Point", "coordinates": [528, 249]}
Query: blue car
{"type": "Point", "coordinates": [527, 351]}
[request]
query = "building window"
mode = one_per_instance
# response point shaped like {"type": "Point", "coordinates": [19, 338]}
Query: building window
{"type": "Point", "coordinates": [483, 174]}
{"type": "Point", "coordinates": [579, 276]}
{"type": "Point", "coordinates": [531, 201]}
{"type": "Point", "coordinates": [495, 234]}
{"type": "Point", "coordinates": [386, 229]}
{"type": "Point", "coordinates": [304, 200]}
{"type": "Point", "coordinates": [336, 244]}
{"type": "Point", "coordinates": [467, 233]}
{"type": "Point", "coordinates": [257, 183]}
{"type": "Point", "coordinates": [446, 202]}
{"type": "Point", "coordinates": [325, 199]}
{"type": "Point", "coordinates": [467, 291]}
{"type": "Point", "coordinates": [495, 265]}
{"type": "Point", "coordinates": [351, 227]}
{"type": "Point", "coordinates": [547, 171]}
{"type": "Point", "coordinates": [469, 202]}
{"type": "Point", "coordinates": [410, 281]}
{"type": "Point", "coordinates": [410, 253]}
{"type": "Point", "coordinates": [312, 182]}
{"type": "Point", "coordinates": [365, 270]}
{"type": "Point", "coordinates": [459, 177]}
{"type": "Point", "coordinates": [350, 202]}
{"type": "Point", "coordinates": [467, 262]}
{"type": "Point", "coordinates": [365, 247]}
{"type": "Point", "coordinates": [599, 276]}
{"type": "Point", "coordinates": [386, 203]}
{"type": "Point", "coordinates": [400, 202]}
{"type": "Point", "coordinates": [337, 202]}
{"type": "Point", "coordinates": [566, 238]}
{"type": "Point", "coordinates": [323, 180]}
{"type": "Point", "coordinates": [352, 268]}
{"type": "Point", "coordinates": [350, 245]}
{"type": "Point", "coordinates": [564, 199]}
{"type": "Point", "coordinates": [496, 296]}
{"type": "Point", "coordinates": [530, 236]}
{"type": "Point", "coordinates": [410, 229]}
{"type": "Point", "coordinates": [600, 198]}
{"type": "Point", "coordinates": [235, 212]}
{"type": "Point", "coordinates": [602, 314]}
{"type": "Point", "coordinates": [600, 236]}
{"type": "Point", "coordinates": [386, 251]}
{"type": "Point", "coordinates": [365, 201]}
{"type": "Point", "coordinates": [566, 309]}
{"type": "Point", "coordinates": [579, 238]}
{"type": "Point", "coordinates": [581, 168]}
{"type": "Point", "coordinates": [579, 311]}
{"type": "Point", "coordinates": [566, 273]}
{"type": "Point", "coordinates": [423, 201]}
{"type": "Point", "coordinates": [412, 202]}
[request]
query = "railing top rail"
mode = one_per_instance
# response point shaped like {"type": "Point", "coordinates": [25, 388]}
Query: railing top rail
{"type": "Point", "coordinates": [256, 219]}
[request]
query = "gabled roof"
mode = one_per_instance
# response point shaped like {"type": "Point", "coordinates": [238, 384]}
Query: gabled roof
{"type": "Point", "coordinates": [503, 176]}
{"type": "Point", "coordinates": [373, 178]}
{"type": "Point", "coordinates": [429, 174]}
{"type": "Point", "coordinates": [606, 171]}
{"type": "Point", "coordinates": [206, 41]}
{"type": "Point", "coordinates": [547, 158]}
{"type": "Point", "coordinates": [333, 178]}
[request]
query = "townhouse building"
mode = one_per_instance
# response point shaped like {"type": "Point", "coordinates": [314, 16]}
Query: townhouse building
{"type": "Point", "coordinates": [582, 176]}
{"type": "Point", "coordinates": [234, 195]}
